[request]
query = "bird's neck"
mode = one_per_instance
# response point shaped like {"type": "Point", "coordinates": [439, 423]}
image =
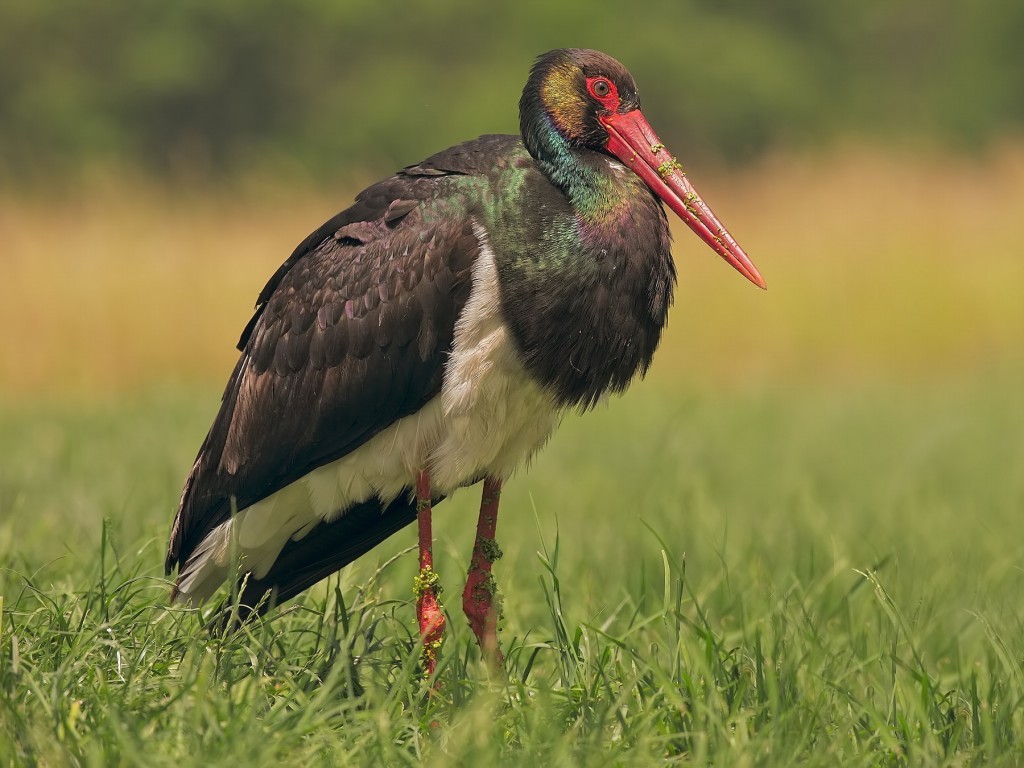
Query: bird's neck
{"type": "Point", "coordinates": [584, 263]}
{"type": "Point", "coordinates": [584, 176]}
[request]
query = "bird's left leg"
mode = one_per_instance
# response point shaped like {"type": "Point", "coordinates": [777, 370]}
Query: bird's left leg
{"type": "Point", "coordinates": [479, 597]}
{"type": "Point", "coordinates": [428, 607]}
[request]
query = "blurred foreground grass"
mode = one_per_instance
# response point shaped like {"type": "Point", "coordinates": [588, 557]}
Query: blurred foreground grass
{"type": "Point", "coordinates": [799, 541]}
{"type": "Point", "coordinates": [877, 266]}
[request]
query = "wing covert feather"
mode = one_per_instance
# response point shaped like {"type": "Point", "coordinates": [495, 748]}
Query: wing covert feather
{"type": "Point", "coordinates": [349, 335]}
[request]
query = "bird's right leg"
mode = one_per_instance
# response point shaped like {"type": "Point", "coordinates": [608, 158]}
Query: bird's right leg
{"type": "Point", "coordinates": [428, 607]}
{"type": "Point", "coordinates": [479, 599]}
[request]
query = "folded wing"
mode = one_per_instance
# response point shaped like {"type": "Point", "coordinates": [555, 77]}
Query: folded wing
{"type": "Point", "coordinates": [350, 335]}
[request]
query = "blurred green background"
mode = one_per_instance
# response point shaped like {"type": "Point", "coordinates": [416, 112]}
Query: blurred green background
{"type": "Point", "coordinates": [321, 89]}
{"type": "Point", "coordinates": [159, 160]}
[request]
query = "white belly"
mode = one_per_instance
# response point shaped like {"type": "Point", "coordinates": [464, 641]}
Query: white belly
{"type": "Point", "coordinates": [489, 418]}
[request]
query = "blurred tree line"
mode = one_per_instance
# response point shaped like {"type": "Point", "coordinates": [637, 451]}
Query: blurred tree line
{"type": "Point", "coordinates": [327, 88]}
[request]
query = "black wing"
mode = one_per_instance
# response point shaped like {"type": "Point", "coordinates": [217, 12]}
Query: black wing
{"type": "Point", "coordinates": [349, 335]}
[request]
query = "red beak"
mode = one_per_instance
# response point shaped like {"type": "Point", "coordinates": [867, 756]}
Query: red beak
{"type": "Point", "coordinates": [634, 142]}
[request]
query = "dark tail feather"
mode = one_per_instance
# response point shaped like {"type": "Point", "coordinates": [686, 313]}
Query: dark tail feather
{"type": "Point", "coordinates": [327, 548]}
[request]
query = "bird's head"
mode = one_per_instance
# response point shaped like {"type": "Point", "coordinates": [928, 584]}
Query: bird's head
{"type": "Point", "coordinates": [583, 100]}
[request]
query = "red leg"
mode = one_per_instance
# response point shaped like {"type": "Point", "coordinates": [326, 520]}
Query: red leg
{"type": "Point", "coordinates": [478, 599]}
{"type": "Point", "coordinates": [428, 608]}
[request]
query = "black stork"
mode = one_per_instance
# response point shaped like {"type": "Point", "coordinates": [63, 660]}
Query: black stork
{"type": "Point", "coordinates": [430, 336]}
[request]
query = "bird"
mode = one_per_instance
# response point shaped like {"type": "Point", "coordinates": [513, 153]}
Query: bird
{"type": "Point", "coordinates": [431, 336]}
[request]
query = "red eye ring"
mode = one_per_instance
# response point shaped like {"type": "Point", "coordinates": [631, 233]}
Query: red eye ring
{"type": "Point", "coordinates": [604, 90]}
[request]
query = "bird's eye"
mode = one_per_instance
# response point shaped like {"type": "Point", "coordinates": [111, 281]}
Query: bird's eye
{"type": "Point", "coordinates": [601, 88]}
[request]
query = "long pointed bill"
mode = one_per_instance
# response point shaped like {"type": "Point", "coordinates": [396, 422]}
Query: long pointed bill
{"type": "Point", "coordinates": [634, 142]}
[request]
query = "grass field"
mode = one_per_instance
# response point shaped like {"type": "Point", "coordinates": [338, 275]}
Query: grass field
{"type": "Point", "coordinates": [799, 541]}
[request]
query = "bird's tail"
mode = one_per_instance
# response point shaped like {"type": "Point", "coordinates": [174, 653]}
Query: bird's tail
{"type": "Point", "coordinates": [326, 548]}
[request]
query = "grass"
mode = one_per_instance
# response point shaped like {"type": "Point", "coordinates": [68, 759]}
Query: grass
{"type": "Point", "coordinates": [778, 595]}
{"type": "Point", "coordinates": [798, 542]}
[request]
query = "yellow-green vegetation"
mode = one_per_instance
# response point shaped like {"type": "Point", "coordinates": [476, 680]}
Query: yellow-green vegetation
{"type": "Point", "coordinates": [799, 542]}
{"type": "Point", "coordinates": [876, 265]}
{"type": "Point", "coordinates": [426, 579]}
